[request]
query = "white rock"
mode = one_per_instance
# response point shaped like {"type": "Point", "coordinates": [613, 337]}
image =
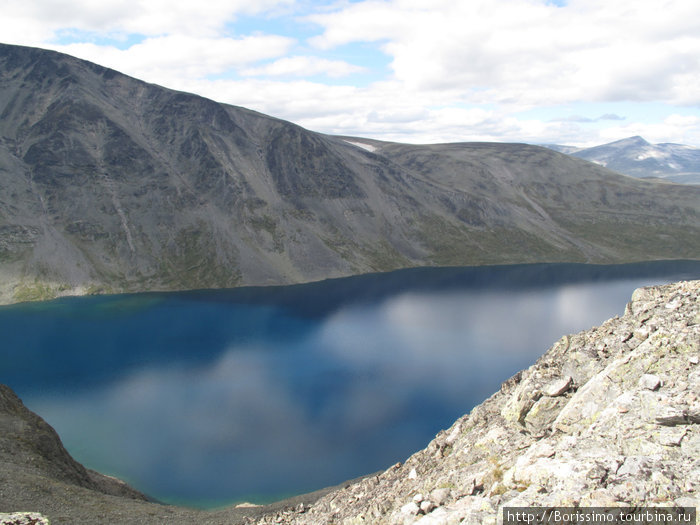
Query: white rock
{"type": "Point", "coordinates": [441, 517]}
{"type": "Point", "coordinates": [427, 506]}
{"type": "Point", "coordinates": [672, 437]}
{"type": "Point", "coordinates": [673, 305]}
{"type": "Point", "coordinates": [23, 518]}
{"type": "Point", "coordinates": [558, 387]}
{"type": "Point", "coordinates": [440, 496]}
{"type": "Point", "coordinates": [637, 466]}
{"type": "Point", "coordinates": [543, 449]}
{"type": "Point", "coordinates": [410, 508]}
{"type": "Point", "coordinates": [413, 474]}
{"type": "Point", "coordinates": [650, 382]}
{"type": "Point", "coordinates": [454, 434]}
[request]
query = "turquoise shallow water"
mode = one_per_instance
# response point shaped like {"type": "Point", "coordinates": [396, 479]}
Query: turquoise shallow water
{"type": "Point", "coordinates": [213, 397]}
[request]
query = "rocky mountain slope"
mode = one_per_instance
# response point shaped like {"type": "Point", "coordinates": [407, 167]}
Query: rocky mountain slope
{"type": "Point", "coordinates": [108, 183]}
{"type": "Point", "coordinates": [636, 157]}
{"type": "Point", "coordinates": [606, 417]}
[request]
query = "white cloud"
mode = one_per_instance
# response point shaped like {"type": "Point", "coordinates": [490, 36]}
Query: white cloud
{"type": "Point", "coordinates": [681, 129]}
{"type": "Point", "coordinates": [524, 52]}
{"type": "Point", "coordinates": [682, 120]}
{"type": "Point", "coordinates": [304, 66]}
{"type": "Point", "coordinates": [172, 59]}
{"type": "Point", "coordinates": [457, 70]}
{"type": "Point", "coordinates": [145, 17]}
{"type": "Point", "coordinates": [385, 111]}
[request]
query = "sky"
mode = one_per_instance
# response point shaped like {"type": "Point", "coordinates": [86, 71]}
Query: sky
{"type": "Point", "coordinates": [576, 72]}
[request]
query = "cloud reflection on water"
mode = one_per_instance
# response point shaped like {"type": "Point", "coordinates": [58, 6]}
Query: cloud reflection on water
{"type": "Point", "coordinates": [365, 387]}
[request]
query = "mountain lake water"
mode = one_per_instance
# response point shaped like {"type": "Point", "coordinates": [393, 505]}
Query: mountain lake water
{"type": "Point", "coordinates": [208, 398]}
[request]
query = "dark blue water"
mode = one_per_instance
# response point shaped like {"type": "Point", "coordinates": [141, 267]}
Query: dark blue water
{"type": "Point", "coordinates": [213, 397]}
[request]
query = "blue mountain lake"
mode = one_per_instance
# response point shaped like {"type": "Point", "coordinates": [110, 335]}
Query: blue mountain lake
{"type": "Point", "coordinates": [212, 397]}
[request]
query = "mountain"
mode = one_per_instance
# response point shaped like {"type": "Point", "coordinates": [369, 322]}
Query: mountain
{"type": "Point", "coordinates": [636, 157]}
{"type": "Point", "coordinates": [562, 149]}
{"type": "Point", "coordinates": [111, 184]}
{"type": "Point", "coordinates": [608, 417]}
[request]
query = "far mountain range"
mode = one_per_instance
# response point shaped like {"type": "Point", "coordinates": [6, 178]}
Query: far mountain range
{"type": "Point", "coordinates": [636, 157]}
{"type": "Point", "coordinates": [111, 184]}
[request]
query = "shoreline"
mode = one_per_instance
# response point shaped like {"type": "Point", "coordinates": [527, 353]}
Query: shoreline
{"type": "Point", "coordinates": [61, 291]}
{"type": "Point", "coordinates": [544, 439]}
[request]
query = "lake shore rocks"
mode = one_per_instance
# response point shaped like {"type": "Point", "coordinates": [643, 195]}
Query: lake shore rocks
{"type": "Point", "coordinates": [606, 417]}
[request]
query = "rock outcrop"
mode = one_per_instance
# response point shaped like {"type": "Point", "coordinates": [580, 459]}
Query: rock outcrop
{"type": "Point", "coordinates": [606, 417]}
{"type": "Point", "coordinates": [23, 518]}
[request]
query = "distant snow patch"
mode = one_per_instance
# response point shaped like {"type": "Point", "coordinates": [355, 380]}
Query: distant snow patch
{"type": "Point", "coordinates": [651, 154]}
{"type": "Point", "coordinates": [362, 145]}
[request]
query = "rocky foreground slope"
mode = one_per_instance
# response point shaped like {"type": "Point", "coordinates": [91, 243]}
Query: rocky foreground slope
{"type": "Point", "coordinates": [606, 417]}
{"type": "Point", "coordinates": [110, 184]}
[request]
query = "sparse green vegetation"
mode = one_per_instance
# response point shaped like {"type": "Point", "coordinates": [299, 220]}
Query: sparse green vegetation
{"type": "Point", "coordinates": [99, 290]}
{"type": "Point", "coordinates": [382, 256]}
{"type": "Point", "coordinates": [34, 292]}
